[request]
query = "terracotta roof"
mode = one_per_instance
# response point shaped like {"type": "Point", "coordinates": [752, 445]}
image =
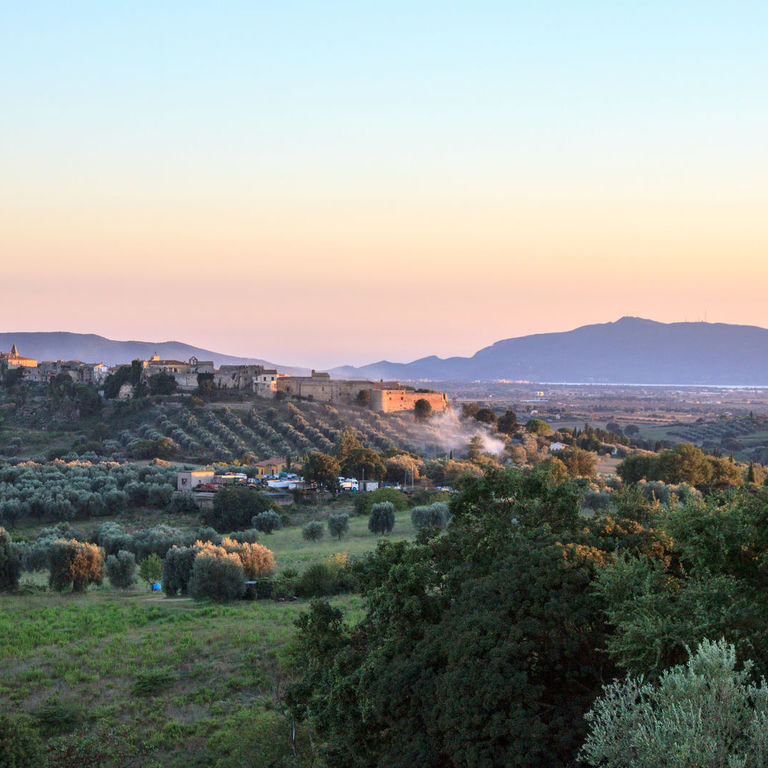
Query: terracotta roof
{"type": "Point", "coordinates": [269, 462]}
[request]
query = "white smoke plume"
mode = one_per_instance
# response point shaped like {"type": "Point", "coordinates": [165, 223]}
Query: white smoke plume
{"type": "Point", "coordinates": [452, 434]}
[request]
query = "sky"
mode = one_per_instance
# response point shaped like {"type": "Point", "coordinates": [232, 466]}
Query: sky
{"type": "Point", "coordinates": [328, 183]}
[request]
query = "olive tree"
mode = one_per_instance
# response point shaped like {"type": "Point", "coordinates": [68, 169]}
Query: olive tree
{"type": "Point", "coordinates": [432, 516]}
{"type": "Point", "coordinates": [382, 518]}
{"type": "Point", "coordinates": [121, 569]}
{"type": "Point", "coordinates": [312, 531]}
{"type": "Point", "coordinates": [704, 714]}
{"type": "Point", "coordinates": [217, 575]}
{"type": "Point", "coordinates": [338, 524]}
{"type": "Point", "coordinates": [76, 564]}
{"type": "Point", "coordinates": [267, 521]}
{"type": "Point", "coordinates": [177, 570]}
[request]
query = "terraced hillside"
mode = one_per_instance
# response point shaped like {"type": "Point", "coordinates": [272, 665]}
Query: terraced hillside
{"type": "Point", "coordinates": [185, 430]}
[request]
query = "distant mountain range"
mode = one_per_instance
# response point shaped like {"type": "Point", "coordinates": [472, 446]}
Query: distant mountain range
{"type": "Point", "coordinates": [629, 351]}
{"type": "Point", "coordinates": [91, 348]}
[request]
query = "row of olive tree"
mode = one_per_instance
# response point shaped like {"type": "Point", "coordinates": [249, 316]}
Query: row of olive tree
{"type": "Point", "coordinates": [64, 491]}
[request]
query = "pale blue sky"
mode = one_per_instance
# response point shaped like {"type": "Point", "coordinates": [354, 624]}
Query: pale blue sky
{"type": "Point", "coordinates": [181, 136]}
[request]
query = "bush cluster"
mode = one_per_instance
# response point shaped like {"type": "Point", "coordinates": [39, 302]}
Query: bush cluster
{"type": "Point", "coordinates": [187, 569]}
{"type": "Point", "coordinates": [433, 516]}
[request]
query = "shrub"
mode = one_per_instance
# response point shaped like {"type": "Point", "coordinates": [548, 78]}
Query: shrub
{"type": "Point", "coordinates": [257, 739]}
{"type": "Point", "coordinates": [217, 575]}
{"type": "Point", "coordinates": [153, 682]}
{"type": "Point", "coordinates": [55, 716]}
{"type": "Point", "coordinates": [137, 493]}
{"type": "Point", "coordinates": [313, 530]}
{"type": "Point", "coordinates": [177, 570]}
{"type": "Point", "coordinates": [365, 501]}
{"type": "Point", "coordinates": [151, 568]}
{"type": "Point", "coordinates": [267, 521]}
{"type": "Point", "coordinates": [257, 560]}
{"type": "Point", "coordinates": [331, 577]}
{"type": "Point", "coordinates": [10, 563]}
{"type": "Point", "coordinates": [597, 500]}
{"type": "Point", "coordinates": [250, 535]}
{"type": "Point", "coordinates": [20, 745]}
{"type": "Point", "coordinates": [433, 516]}
{"type": "Point", "coordinates": [97, 746]}
{"type": "Point", "coordinates": [338, 524]}
{"type": "Point", "coordinates": [76, 564]}
{"type": "Point", "coordinates": [382, 518]}
{"type": "Point", "coordinates": [183, 501]}
{"type": "Point", "coordinates": [121, 569]}
{"type": "Point", "coordinates": [159, 496]}
{"type": "Point", "coordinates": [701, 715]}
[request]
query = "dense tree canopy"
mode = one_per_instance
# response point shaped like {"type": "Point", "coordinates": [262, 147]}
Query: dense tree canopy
{"type": "Point", "coordinates": [235, 507]}
{"type": "Point", "coordinates": [363, 462]}
{"type": "Point", "coordinates": [507, 423]}
{"type": "Point", "coordinates": [322, 469]}
{"type": "Point", "coordinates": [498, 615]}
{"type": "Point", "coordinates": [487, 644]}
{"type": "Point", "coordinates": [537, 427]}
{"type": "Point", "coordinates": [422, 409]}
{"type": "Point", "coordinates": [685, 463]}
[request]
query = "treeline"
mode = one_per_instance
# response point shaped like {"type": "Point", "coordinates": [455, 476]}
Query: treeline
{"type": "Point", "coordinates": [488, 645]}
{"type": "Point", "coordinates": [685, 463]}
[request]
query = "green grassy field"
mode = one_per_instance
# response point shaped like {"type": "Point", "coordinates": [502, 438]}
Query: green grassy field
{"type": "Point", "coordinates": [197, 684]}
{"type": "Point", "coordinates": [291, 550]}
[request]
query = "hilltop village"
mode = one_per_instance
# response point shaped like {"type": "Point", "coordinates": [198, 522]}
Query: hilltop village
{"type": "Point", "coordinates": [194, 374]}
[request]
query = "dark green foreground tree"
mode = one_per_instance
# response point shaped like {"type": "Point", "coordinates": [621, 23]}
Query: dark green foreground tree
{"type": "Point", "coordinates": [480, 647]}
{"type": "Point", "coordinates": [487, 644]}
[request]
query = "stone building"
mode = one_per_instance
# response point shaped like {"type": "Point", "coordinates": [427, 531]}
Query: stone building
{"type": "Point", "coordinates": [322, 388]}
{"type": "Point", "coordinates": [393, 400]}
{"type": "Point", "coordinates": [265, 383]}
{"type": "Point", "coordinates": [13, 360]}
{"type": "Point", "coordinates": [385, 396]}
{"type": "Point", "coordinates": [236, 376]}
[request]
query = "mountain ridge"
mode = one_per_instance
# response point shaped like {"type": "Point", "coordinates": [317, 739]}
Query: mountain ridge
{"type": "Point", "coordinates": [92, 348]}
{"type": "Point", "coordinates": [631, 350]}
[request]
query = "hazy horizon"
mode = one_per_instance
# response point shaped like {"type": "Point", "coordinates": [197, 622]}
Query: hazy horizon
{"type": "Point", "coordinates": [375, 359]}
{"type": "Point", "coordinates": [336, 184]}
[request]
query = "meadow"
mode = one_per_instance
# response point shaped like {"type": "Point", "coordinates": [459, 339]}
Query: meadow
{"type": "Point", "coordinates": [164, 681]}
